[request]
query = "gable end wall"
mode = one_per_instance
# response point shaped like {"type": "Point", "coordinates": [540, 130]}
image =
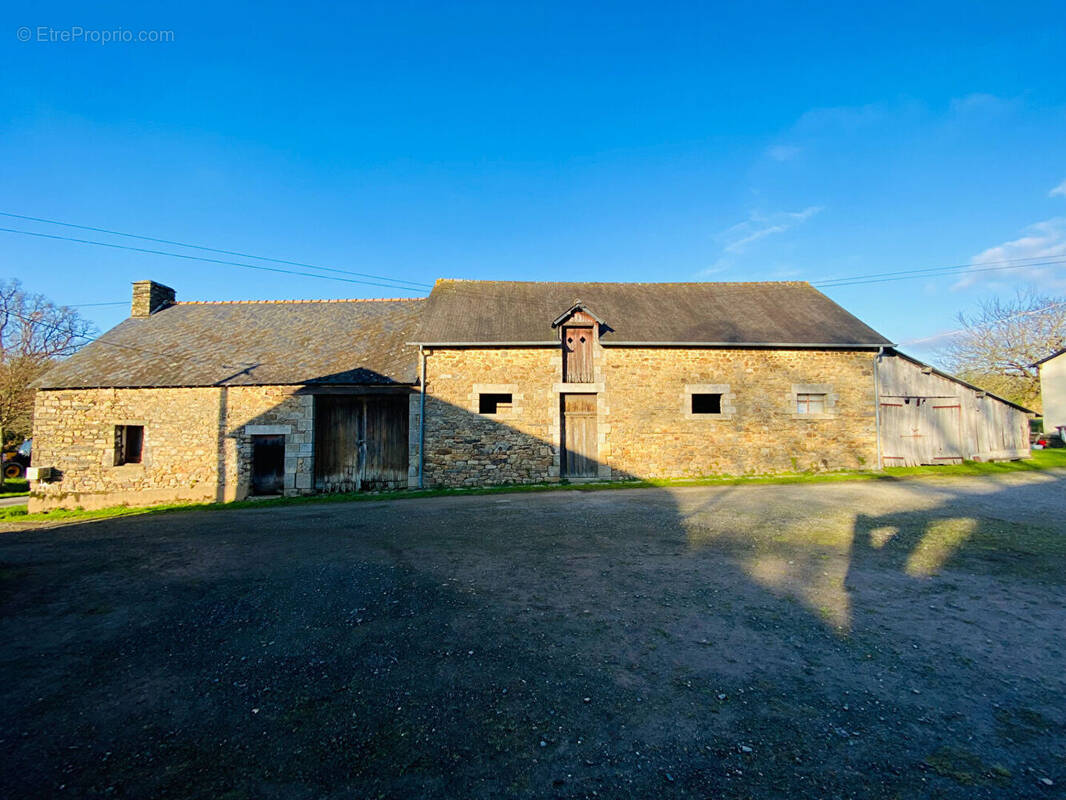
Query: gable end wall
{"type": "Point", "coordinates": [1053, 392]}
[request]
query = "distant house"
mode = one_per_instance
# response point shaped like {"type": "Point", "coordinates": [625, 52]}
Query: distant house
{"type": "Point", "coordinates": [1053, 391]}
{"type": "Point", "coordinates": [491, 382]}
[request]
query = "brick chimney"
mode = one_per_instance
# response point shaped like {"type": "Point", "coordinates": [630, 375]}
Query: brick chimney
{"type": "Point", "coordinates": [149, 297]}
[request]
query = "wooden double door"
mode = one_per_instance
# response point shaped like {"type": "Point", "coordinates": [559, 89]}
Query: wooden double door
{"type": "Point", "coordinates": [580, 458]}
{"type": "Point", "coordinates": [360, 442]}
{"type": "Point", "coordinates": [921, 430]}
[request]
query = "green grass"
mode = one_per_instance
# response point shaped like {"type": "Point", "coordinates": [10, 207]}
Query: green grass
{"type": "Point", "coordinates": [16, 488]}
{"type": "Point", "coordinates": [1041, 460]}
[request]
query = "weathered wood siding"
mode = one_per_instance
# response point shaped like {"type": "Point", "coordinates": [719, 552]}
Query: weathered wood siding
{"type": "Point", "coordinates": [927, 418]}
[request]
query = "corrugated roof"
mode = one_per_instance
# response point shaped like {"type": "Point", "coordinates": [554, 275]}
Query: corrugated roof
{"type": "Point", "coordinates": [787, 313]}
{"type": "Point", "coordinates": [256, 343]}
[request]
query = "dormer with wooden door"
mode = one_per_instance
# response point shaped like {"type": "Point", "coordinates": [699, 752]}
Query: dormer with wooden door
{"type": "Point", "coordinates": [580, 396]}
{"type": "Point", "coordinates": [578, 333]}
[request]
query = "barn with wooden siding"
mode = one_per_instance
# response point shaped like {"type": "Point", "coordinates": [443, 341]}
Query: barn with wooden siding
{"type": "Point", "coordinates": [930, 417]}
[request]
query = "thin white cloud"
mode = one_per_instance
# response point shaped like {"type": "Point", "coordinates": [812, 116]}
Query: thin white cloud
{"type": "Point", "coordinates": [1058, 191]}
{"type": "Point", "coordinates": [783, 152]}
{"type": "Point", "coordinates": [935, 340]}
{"type": "Point", "coordinates": [982, 102]}
{"type": "Point", "coordinates": [718, 267]}
{"type": "Point", "coordinates": [850, 126]}
{"type": "Point", "coordinates": [817, 121]}
{"type": "Point", "coordinates": [1041, 242]}
{"type": "Point", "coordinates": [737, 238]}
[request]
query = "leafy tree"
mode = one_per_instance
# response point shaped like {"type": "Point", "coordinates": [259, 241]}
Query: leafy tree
{"type": "Point", "coordinates": [34, 332]}
{"type": "Point", "coordinates": [998, 344]}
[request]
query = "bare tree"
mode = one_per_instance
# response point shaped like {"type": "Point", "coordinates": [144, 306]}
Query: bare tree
{"type": "Point", "coordinates": [34, 332]}
{"type": "Point", "coordinates": [1000, 341]}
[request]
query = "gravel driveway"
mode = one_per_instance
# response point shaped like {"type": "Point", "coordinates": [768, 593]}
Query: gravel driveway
{"type": "Point", "coordinates": [871, 639]}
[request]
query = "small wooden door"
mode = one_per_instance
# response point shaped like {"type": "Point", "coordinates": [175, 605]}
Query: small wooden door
{"type": "Point", "coordinates": [268, 464]}
{"type": "Point", "coordinates": [580, 451]}
{"type": "Point", "coordinates": [577, 358]}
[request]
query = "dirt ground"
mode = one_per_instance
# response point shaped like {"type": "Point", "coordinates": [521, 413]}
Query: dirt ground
{"type": "Point", "coordinates": [874, 639]}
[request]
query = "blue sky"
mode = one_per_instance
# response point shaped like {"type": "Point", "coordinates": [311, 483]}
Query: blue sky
{"type": "Point", "coordinates": [644, 142]}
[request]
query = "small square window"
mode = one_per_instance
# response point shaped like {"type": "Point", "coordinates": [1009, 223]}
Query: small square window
{"type": "Point", "coordinates": [706, 404]}
{"type": "Point", "coordinates": [129, 444]}
{"type": "Point", "coordinates": [810, 403]}
{"type": "Point", "coordinates": [493, 403]}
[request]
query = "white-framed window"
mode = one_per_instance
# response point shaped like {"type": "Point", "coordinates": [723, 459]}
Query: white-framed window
{"type": "Point", "coordinates": [812, 401]}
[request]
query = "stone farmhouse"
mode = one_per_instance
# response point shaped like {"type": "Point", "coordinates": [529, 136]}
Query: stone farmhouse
{"type": "Point", "coordinates": [491, 382]}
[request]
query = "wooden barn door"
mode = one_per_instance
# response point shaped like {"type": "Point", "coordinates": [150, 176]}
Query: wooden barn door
{"type": "Point", "coordinates": [338, 443]}
{"type": "Point", "coordinates": [385, 424]}
{"type": "Point", "coordinates": [895, 441]}
{"type": "Point", "coordinates": [577, 354]}
{"type": "Point", "coordinates": [920, 430]}
{"type": "Point", "coordinates": [580, 451]}
{"type": "Point", "coordinates": [360, 442]}
{"type": "Point", "coordinates": [944, 421]}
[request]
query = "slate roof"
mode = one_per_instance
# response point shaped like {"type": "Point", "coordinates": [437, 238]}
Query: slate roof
{"type": "Point", "coordinates": [251, 343]}
{"type": "Point", "coordinates": [784, 313]}
{"type": "Point", "coordinates": [370, 342]}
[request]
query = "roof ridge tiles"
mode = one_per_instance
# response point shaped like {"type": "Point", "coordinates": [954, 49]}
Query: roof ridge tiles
{"type": "Point", "coordinates": [635, 283]}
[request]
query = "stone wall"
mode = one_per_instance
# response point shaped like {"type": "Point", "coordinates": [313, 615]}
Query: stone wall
{"type": "Point", "coordinates": [197, 443]}
{"type": "Point", "coordinates": [645, 424]}
{"type": "Point", "coordinates": [654, 434]}
{"type": "Point", "coordinates": [467, 448]}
